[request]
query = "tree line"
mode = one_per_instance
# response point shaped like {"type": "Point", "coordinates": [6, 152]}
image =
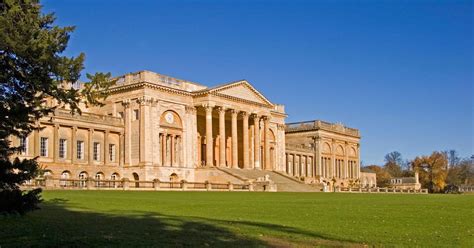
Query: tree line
{"type": "Point", "coordinates": [440, 171]}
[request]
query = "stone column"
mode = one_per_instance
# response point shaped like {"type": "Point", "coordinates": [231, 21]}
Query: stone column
{"type": "Point", "coordinates": [91, 146]}
{"type": "Point", "coordinates": [121, 149]}
{"type": "Point", "coordinates": [128, 133]}
{"type": "Point", "coordinates": [346, 161]}
{"type": "Point", "coordinates": [172, 152]}
{"type": "Point", "coordinates": [333, 160]}
{"type": "Point", "coordinates": [106, 147]}
{"type": "Point", "coordinates": [245, 133]}
{"type": "Point", "coordinates": [145, 130]}
{"type": "Point", "coordinates": [235, 157]}
{"type": "Point", "coordinates": [251, 146]}
{"type": "Point", "coordinates": [56, 143]}
{"type": "Point", "coordinates": [221, 136]}
{"type": "Point", "coordinates": [36, 141]}
{"type": "Point", "coordinates": [209, 146]}
{"type": "Point", "coordinates": [317, 156]}
{"type": "Point", "coordinates": [256, 139]}
{"type": "Point", "coordinates": [73, 144]}
{"type": "Point", "coordinates": [266, 148]}
{"type": "Point", "coordinates": [163, 149]}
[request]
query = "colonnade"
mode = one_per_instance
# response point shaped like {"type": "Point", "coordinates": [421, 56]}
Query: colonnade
{"type": "Point", "coordinates": [252, 158]}
{"type": "Point", "coordinates": [341, 168]}
{"type": "Point", "coordinates": [170, 147]}
{"type": "Point", "coordinates": [300, 165]}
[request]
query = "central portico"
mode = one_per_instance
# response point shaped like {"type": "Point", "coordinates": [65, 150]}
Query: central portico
{"type": "Point", "coordinates": [236, 120]}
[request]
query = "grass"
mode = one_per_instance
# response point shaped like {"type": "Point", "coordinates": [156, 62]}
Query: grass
{"type": "Point", "coordinates": [242, 219]}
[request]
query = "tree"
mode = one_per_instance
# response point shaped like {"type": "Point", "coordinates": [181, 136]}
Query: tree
{"type": "Point", "coordinates": [393, 164]}
{"type": "Point", "coordinates": [461, 173]}
{"type": "Point", "coordinates": [33, 69]}
{"type": "Point", "coordinates": [432, 171]}
{"type": "Point", "coordinates": [383, 177]}
{"type": "Point", "coordinates": [452, 157]}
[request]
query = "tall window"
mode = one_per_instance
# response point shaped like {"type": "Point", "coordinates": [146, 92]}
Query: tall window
{"type": "Point", "coordinates": [96, 151]}
{"type": "Point", "coordinates": [80, 149]}
{"type": "Point", "coordinates": [24, 145]}
{"type": "Point", "coordinates": [112, 152]}
{"type": "Point", "coordinates": [62, 148]}
{"type": "Point", "coordinates": [44, 146]}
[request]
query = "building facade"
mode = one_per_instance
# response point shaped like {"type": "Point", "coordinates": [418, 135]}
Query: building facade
{"type": "Point", "coordinates": [323, 152]}
{"type": "Point", "coordinates": [154, 126]}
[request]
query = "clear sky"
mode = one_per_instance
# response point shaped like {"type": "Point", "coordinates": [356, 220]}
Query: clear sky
{"type": "Point", "coordinates": [400, 71]}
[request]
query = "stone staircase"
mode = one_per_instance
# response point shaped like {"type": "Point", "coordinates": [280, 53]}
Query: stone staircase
{"type": "Point", "coordinates": [284, 183]}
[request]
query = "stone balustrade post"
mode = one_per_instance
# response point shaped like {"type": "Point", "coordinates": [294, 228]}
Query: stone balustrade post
{"type": "Point", "coordinates": [184, 185]}
{"type": "Point", "coordinates": [251, 188]}
{"type": "Point", "coordinates": [156, 184]}
{"type": "Point", "coordinates": [48, 182]}
{"type": "Point", "coordinates": [208, 185]}
{"type": "Point", "coordinates": [90, 183]}
{"type": "Point", "coordinates": [231, 186]}
{"type": "Point", "coordinates": [125, 183]}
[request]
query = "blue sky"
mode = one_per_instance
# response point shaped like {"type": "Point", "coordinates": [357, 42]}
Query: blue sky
{"type": "Point", "coordinates": [400, 71]}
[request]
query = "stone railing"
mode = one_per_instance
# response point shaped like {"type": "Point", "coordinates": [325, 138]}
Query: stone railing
{"type": "Point", "coordinates": [155, 78]}
{"type": "Point", "coordinates": [380, 190]}
{"type": "Point", "coordinates": [91, 117]}
{"type": "Point", "coordinates": [317, 124]}
{"type": "Point", "coordinates": [126, 184]}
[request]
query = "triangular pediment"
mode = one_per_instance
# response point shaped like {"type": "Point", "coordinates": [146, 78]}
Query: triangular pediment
{"type": "Point", "coordinates": [241, 90]}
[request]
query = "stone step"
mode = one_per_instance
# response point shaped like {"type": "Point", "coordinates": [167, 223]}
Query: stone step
{"type": "Point", "coordinates": [284, 183]}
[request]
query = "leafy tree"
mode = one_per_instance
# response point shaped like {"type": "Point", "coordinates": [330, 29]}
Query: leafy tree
{"type": "Point", "coordinates": [461, 173]}
{"type": "Point", "coordinates": [452, 157]}
{"type": "Point", "coordinates": [393, 164]}
{"type": "Point", "coordinates": [383, 177]}
{"type": "Point", "coordinates": [432, 171]}
{"type": "Point", "coordinates": [33, 69]}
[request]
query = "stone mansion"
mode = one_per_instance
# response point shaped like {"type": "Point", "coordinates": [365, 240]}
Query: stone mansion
{"type": "Point", "coordinates": [154, 126]}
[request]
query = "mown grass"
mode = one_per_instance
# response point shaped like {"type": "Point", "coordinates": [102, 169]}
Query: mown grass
{"type": "Point", "coordinates": [242, 219]}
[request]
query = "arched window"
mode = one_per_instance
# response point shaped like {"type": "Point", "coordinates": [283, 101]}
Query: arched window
{"type": "Point", "coordinates": [65, 175]}
{"type": "Point", "coordinates": [83, 179]}
{"type": "Point", "coordinates": [115, 177]}
{"type": "Point", "coordinates": [136, 178]}
{"type": "Point", "coordinates": [98, 177]}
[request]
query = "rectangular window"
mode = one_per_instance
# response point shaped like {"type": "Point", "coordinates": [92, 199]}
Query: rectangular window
{"type": "Point", "coordinates": [44, 146]}
{"type": "Point", "coordinates": [96, 151]}
{"type": "Point", "coordinates": [62, 148]}
{"type": "Point", "coordinates": [24, 145]}
{"type": "Point", "coordinates": [80, 149]}
{"type": "Point", "coordinates": [112, 152]}
{"type": "Point", "coordinates": [136, 114]}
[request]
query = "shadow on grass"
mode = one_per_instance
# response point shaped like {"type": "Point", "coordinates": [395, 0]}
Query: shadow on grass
{"type": "Point", "coordinates": [56, 225]}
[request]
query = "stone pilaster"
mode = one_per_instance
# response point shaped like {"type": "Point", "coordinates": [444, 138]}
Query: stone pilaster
{"type": "Point", "coordinates": [245, 141]}
{"type": "Point", "coordinates": [235, 158]}
{"type": "Point", "coordinates": [128, 132]}
{"type": "Point", "coordinates": [256, 142]}
{"type": "Point", "coordinates": [266, 122]}
{"type": "Point", "coordinates": [209, 143]}
{"type": "Point", "coordinates": [221, 111]}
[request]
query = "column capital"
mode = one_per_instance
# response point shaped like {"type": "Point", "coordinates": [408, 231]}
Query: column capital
{"type": "Point", "coordinates": [244, 114]}
{"type": "Point", "coordinates": [233, 112]}
{"type": "Point", "coordinates": [220, 109]}
{"type": "Point", "coordinates": [255, 116]}
{"type": "Point", "coordinates": [266, 118]}
{"type": "Point", "coordinates": [145, 101]}
{"type": "Point", "coordinates": [190, 109]}
{"type": "Point", "coordinates": [126, 103]}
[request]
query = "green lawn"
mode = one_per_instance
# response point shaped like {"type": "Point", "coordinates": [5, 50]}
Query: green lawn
{"type": "Point", "coordinates": [246, 219]}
